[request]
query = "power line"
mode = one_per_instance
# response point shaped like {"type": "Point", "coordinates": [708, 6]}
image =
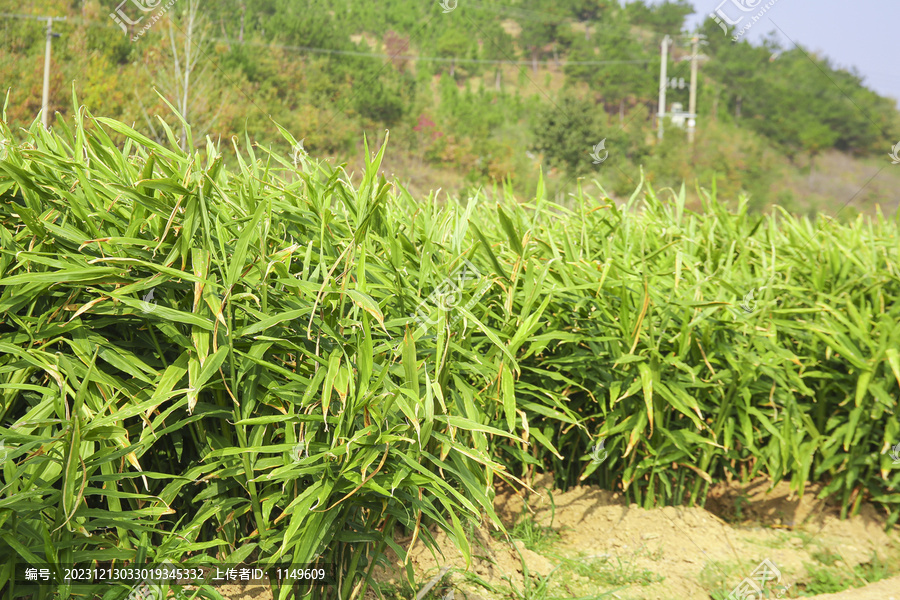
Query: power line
{"type": "Point", "coordinates": [39, 18]}
{"type": "Point", "coordinates": [422, 58]}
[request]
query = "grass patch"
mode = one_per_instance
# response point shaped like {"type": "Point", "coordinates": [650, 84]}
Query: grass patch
{"type": "Point", "coordinates": [612, 571]}
{"type": "Point", "coordinates": [826, 557]}
{"type": "Point", "coordinates": [438, 586]}
{"type": "Point", "coordinates": [829, 577]}
{"type": "Point", "coordinates": [536, 537]}
{"type": "Point", "coordinates": [719, 578]}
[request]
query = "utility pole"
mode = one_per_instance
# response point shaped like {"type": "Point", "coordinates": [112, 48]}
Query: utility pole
{"type": "Point", "coordinates": [692, 102]}
{"type": "Point", "coordinates": [45, 103]}
{"type": "Point", "coordinates": [663, 82]}
{"type": "Point", "coordinates": [691, 115]}
{"type": "Point", "coordinates": [695, 58]}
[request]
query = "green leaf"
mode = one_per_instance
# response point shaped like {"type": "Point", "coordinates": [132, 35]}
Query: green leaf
{"type": "Point", "coordinates": [509, 396]}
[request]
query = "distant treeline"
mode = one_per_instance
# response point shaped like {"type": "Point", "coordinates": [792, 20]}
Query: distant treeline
{"type": "Point", "coordinates": [471, 86]}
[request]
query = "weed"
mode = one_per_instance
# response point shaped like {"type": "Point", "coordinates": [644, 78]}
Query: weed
{"type": "Point", "coordinates": [718, 578]}
{"type": "Point", "coordinates": [826, 557]}
{"type": "Point", "coordinates": [536, 537]}
{"type": "Point", "coordinates": [613, 571]}
{"type": "Point", "coordinates": [742, 501]}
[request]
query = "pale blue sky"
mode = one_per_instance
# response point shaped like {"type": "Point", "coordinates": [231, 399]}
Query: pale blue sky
{"type": "Point", "coordinates": [860, 33]}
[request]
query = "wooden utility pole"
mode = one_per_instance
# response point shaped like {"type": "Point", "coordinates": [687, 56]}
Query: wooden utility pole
{"type": "Point", "coordinates": [45, 100]}
{"type": "Point", "coordinates": [696, 57]}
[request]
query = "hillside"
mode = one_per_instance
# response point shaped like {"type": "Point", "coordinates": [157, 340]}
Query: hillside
{"type": "Point", "coordinates": [473, 93]}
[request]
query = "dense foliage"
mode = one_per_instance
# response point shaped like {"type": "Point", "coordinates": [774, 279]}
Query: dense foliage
{"type": "Point", "coordinates": [274, 364]}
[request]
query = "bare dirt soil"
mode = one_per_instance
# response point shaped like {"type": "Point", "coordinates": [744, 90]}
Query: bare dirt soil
{"type": "Point", "coordinates": [587, 543]}
{"type": "Point", "coordinates": [604, 546]}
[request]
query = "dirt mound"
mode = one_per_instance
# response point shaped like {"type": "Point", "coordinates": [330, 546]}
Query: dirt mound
{"type": "Point", "coordinates": [587, 542]}
{"type": "Point", "coordinates": [596, 543]}
{"type": "Point", "coordinates": [886, 589]}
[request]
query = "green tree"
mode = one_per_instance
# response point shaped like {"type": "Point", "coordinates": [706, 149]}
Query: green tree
{"type": "Point", "coordinates": [381, 101]}
{"type": "Point", "coordinates": [453, 44]}
{"type": "Point", "coordinates": [627, 74]}
{"type": "Point", "coordinates": [589, 10]}
{"type": "Point", "coordinates": [498, 46]}
{"type": "Point", "coordinates": [586, 11]}
{"type": "Point", "coordinates": [567, 131]}
{"type": "Point", "coordinates": [663, 18]}
{"type": "Point", "coordinates": [540, 28]}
